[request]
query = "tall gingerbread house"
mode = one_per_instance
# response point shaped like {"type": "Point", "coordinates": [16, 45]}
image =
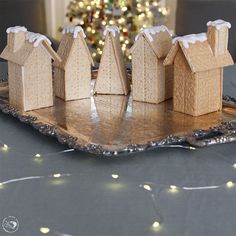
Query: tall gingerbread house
{"type": "Point", "coordinates": [198, 61]}
{"type": "Point", "coordinates": [151, 81]}
{"type": "Point", "coordinates": [29, 57]}
{"type": "Point", "coordinates": [112, 76]}
{"type": "Point", "coordinates": [73, 75]}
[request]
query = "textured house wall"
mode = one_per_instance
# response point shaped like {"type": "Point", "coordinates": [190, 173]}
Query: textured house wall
{"type": "Point", "coordinates": [78, 73]}
{"type": "Point", "coordinates": [209, 91]}
{"type": "Point", "coordinates": [184, 89]}
{"type": "Point", "coordinates": [109, 80]}
{"type": "Point", "coordinates": [38, 80]}
{"type": "Point", "coordinates": [15, 81]}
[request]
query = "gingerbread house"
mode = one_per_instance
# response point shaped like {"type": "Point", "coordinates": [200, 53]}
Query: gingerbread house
{"type": "Point", "coordinates": [73, 74]}
{"type": "Point", "coordinates": [151, 81]}
{"type": "Point", "coordinates": [112, 76]}
{"type": "Point", "coordinates": [198, 61]}
{"type": "Point", "coordinates": [29, 57]}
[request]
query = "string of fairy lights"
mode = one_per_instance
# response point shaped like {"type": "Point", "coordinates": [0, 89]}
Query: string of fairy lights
{"type": "Point", "coordinates": [148, 187]}
{"type": "Point", "coordinates": [129, 15]}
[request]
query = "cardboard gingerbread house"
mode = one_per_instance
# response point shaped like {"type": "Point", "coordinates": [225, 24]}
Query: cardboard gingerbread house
{"type": "Point", "coordinates": [198, 61]}
{"type": "Point", "coordinates": [112, 76]}
{"type": "Point", "coordinates": [29, 57]}
{"type": "Point", "coordinates": [73, 74]}
{"type": "Point", "coordinates": [151, 81]}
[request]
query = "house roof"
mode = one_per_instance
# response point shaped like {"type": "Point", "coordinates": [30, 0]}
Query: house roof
{"type": "Point", "coordinates": [158, 38]}
{"type": "Point", "coordinates": [66, 46]}
{"type": "Point", "coordinates": [31, 43]}
{"type": "Point", "coordinates": [198, 53]}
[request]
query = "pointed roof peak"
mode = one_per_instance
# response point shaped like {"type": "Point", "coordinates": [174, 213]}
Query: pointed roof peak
{"type": "Point", "coordinates": [112, 29]}
{"type": "Point", "coordinates": [75, 30]}
{"type": "Point", "coordinates": [150, 31]}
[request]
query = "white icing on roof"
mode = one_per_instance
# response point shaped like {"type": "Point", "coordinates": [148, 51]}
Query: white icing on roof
{"type": "Point", "coordinates": [73, 30]}
{"type": "Point", "coordinates": [36, 38]}
{"type": "Point", "coordinates": [151, 31]}
{"type": "Point", "coordinates": [190, 39]}
{"type": "Point", "coordinates": [16, 29]}
{"type": "Point", "coordinates": [219, 24]}
{"type": "Point", "coordinates": [112, 29]}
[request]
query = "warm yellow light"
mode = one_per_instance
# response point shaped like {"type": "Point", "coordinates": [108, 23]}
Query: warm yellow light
{"type": "Point", "coordinates": [156, 225]}
{"type": "Point", "coordinates": [5, 147]}
{"type": "Point", "coordinates": [130, 57]}
{"type": "Point", "coordinates": [121, 38]}
{"type": "Point", "coordinates": [125, 30]}
{"type": "Point", "coordinates": [115, 176]}
{"type": "Point", "coordinates": [100, 52]}
{"type": "Point", "coordinates": [88, 8]}
{"type": "Point", "coordinates": [104, 22]}
{"type": "Point", "coordinates": [138, 5]}
{"type": "Point", "coordinates": [124, 8]}
{"type": "Point", "coordinates": [147, 187]}
{"type": "Point", "coordinates": [57, 175]}
{"type": "Point", "coordinates": [234, 165]}
{"type": "Point", "coordinates": [230, 184]}
{"type": "Point", "coordinates": [173, 187]}
{"type": "Point", "coordinates": [155, 4]}
{"type": "Point", "coordinates": [147, 4]}
{"type": "Point", "coordinates": [81, 4]}
{"type": "Point", "coordinates": [111, 22]}
{"type": "Point", "coordinates": [93, 31]}
{"type": "Point", "coordinates": [126, 41]}
{"type": "Point", "coordinates": [100, 42]}
{"type": "Point", "coordinates": [44, 230]}
{"type": "Point", "coordinates": [94, 54]}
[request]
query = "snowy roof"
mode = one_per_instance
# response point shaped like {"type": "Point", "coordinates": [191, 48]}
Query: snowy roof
{"type": "Point", "coordinates": [36, 38]}
{"type": "Point", "coordinates": [152, 31]}
{"type": "Point", "coordinates": [112, 29]}
{"type": "Point", "coordinates": [219, 24]}
{"type": "Point", "coordinates": [16, 29]}
{"type": "Point", "coordinates": [190, 39]}
{"type": "Point", "coordinates": [73, 30]}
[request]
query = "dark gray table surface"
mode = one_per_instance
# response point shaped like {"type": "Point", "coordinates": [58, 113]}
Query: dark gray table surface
{"type": "Point", "coordinates": [87, 201]}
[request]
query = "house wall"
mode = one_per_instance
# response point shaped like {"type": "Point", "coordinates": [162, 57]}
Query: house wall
{"type": "Point", "coordinates": [184, 97]}
{"type": "Point", "coordinates": [59, 83]}
{"type": "Point", "coordinates": [149, 82]}
{"type": "Point", "coordinates": [209, 91]}
{"type": "Point", "coordinates": [16, 91]}
{"type": "Point", "coordinates": [108, 80]}
{"type": "Point", "coordinates": [78, 73]}
{"type": "Point", "coordinates": [38, 80]}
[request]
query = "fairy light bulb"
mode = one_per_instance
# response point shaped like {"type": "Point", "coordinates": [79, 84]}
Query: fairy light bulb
{"type": "Point", "coordinates": [57, 175]}
{"type": "Point", "coordinates": [230, 184]}
{"type": "Point", "coordinates": [37, 155]}
{"type": "Point", "coordinates": [5, 147]}
{"type": "Point", "coordinates": [44, 230]}
{"type": "Point", "coordinates": [173, 188]}
{"type": "Point", "coordinates": [115, 176]}
{"type": "Point", "coordinates": [234, 165]}
{"type": "Point", "coordinates": [156, 225]}
{"type": "Point", "coordinates": [147, 187]}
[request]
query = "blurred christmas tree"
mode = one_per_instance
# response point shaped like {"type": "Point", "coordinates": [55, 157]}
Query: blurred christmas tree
{"type": "Point", "coordinates": [129, 15]}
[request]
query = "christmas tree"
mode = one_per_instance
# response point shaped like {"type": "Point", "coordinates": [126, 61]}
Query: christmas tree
{"type": "Point", "coordinates": [129, 15]}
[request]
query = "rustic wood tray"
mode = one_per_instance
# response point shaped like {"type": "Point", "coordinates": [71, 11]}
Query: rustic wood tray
{"type": "Point", "coordinates": [112, 125]}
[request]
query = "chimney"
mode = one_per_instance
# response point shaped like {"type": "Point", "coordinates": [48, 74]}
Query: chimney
{"type": "Point", "coordinates": [16, 37]}
{"type": "Point", "coordinates": [217, 35]}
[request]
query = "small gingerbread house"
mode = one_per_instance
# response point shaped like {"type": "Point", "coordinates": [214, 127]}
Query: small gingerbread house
{"type": "Point", "coordinates": [198, 69]}
{"type": "Point", "coordinates": [112, 76]}
{"type": "Point", "coordinates": [151, 80]}
{"type": "Point", "coordinates": [73, 75]}
{"type": "Point", "coordinates": [29, 58]}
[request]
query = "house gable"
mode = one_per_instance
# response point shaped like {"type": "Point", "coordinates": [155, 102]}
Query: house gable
{"type": "Point", "coordinates": [66, 47]}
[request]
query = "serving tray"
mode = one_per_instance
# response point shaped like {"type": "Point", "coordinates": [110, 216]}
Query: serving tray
{"type": "Point", "coordinates": [113, 124]}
